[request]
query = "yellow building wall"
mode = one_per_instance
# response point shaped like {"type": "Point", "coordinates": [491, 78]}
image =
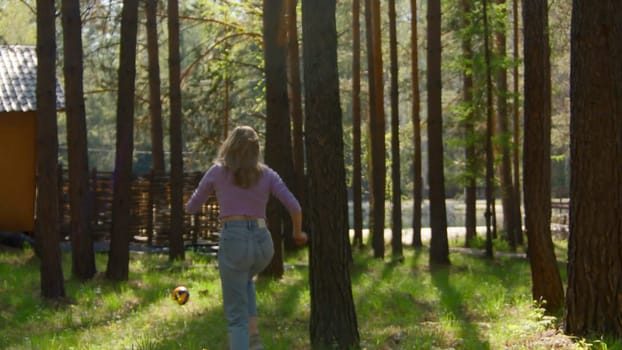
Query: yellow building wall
{"type": "Point", "coordinates": [17, 171]}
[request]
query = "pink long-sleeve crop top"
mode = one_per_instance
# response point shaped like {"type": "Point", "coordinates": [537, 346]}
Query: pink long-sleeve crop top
{"type": "Point", "coordinates": [234, 200]}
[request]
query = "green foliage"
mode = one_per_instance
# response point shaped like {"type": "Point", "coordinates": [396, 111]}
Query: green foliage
{"type": "Point", "coordinates": [18, 22]}
{"type": "Point", "coordinates": [221, 41]}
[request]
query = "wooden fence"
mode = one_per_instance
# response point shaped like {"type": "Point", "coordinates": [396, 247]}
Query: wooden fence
{"type": "Point", "coordinates": [150, 209]}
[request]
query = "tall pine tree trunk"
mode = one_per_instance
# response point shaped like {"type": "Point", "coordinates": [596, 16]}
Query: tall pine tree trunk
{"type": "Point", "coordinates": [155, 102]}
{"type": "Point", "coordinates": [376, 124]}
{"type": "Point", "coordinates": [278, 146]}
{"type": "Point", "coordinates": [416, 121]}
{"type": "Point", "coordinates": [507, 188]}
{"type": "Point", "coordinates": [396, 179]}
{"type": "Point", "coordinates": [176, 239]}
{"type": "Point", "coordinates": [469, 129]}
{"type": "Point", "coordinates": [357, 197]}
{"type": "Point", "coordinates": [490, 199]}
{"type": "Point", "coordinates": [295, 106]}
{"type": "Point", "coordinates": [227, 97]}
{"type": "Point", "coordinates": [119, 255]}
{"type": "Point", "coordinates": [594, 296]}
{"type": "Point", "coordinates": [518, 216]}
{"type": "Point", "coordinates": [545, 275]}
{"type": "Point", "coordinates": [333, 318]}
{"type": "Point", "coordinates": [46, 227]}
{"type": "Point", "coordinates": [83, 253]}
{"type": "Point", "coordinates": [439, 245]}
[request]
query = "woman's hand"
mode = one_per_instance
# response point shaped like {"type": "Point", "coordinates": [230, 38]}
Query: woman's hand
{"type": "Point", "coordinates": [300, 238]}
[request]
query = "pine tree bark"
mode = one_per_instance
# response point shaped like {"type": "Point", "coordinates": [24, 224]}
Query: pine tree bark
{"type": "Point", "coordinates": [333, 317]}
{"type": "Point", "coordinates": [119, 255]}
{"type": "Point", "coordinates": [396, 179]}
{"type": "Point", "coordinates": [176, 239]}
{"type": "Point", "coordinates": [155, 102]}
{"type": "Point", "coordinates": [546, 279]}
{"type": "Point", "coordinates": [594, 295]}
{"type": "Point", "coordinates": [294, 91]}
{"type": "Point", "coordinates": [439, 245]}
{"type": "Point", "coordinates": [278, 148]}
{"type": "Point", "coordinates": [83, 253]}
{"type": "Point", "coordinates": [357, 198]}
{"type": "Point", "coordinates": [46, 225]}
{"type": "Point", "coordinates": [507, 188]}
{"type": "Point", "coordinates": [376, 124]}
{"type": "Point", "coordinates": [490, 197]}
{"type": "Point", "coordinates": [518, 215]}
{"type": "Point", "coordinates": [469, 131]}
{"type": "Point", "coordinates": [416, 121]}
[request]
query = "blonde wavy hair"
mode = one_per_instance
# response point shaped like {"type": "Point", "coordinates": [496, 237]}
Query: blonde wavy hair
{"type": "Point", "coordinates": [240, 154]}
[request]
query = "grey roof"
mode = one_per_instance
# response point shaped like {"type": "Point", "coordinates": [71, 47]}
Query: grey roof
{"type": "Point", "coordinates": [18, 79]}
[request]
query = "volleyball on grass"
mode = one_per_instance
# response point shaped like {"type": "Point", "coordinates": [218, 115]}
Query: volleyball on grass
{"type": "Point", "coordinates": [180, 295]}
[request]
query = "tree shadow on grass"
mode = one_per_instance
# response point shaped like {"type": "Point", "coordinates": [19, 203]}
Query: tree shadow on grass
{"type": "Point", "coordinates": [71, 316]}
{"type": "Point", "coordinates": [454, 305]}
{"type": "Point", "coordinates": [511, 272]}
{"type": "Point", "coordinates": [288, 298]}
{"type": "Point", "coordinates": [205, 329]}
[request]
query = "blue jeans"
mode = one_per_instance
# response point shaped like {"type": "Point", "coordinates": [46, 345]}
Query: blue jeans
{"type": "Point", "coordinates": [245, 250]}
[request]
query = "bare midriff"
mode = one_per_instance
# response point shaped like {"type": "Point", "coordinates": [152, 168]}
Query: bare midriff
{"type": "Point", "coordinates": [238, 217]}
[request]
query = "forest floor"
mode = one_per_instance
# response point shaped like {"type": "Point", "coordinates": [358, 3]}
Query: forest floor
{"type": "Point", "coordinates": [552, 338]}
{"type": "Point", "coordinates": [473, 304]}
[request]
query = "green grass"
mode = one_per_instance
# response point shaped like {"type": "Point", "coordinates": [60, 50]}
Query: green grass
{"type": "Point", "coordinates": [472, 304]}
